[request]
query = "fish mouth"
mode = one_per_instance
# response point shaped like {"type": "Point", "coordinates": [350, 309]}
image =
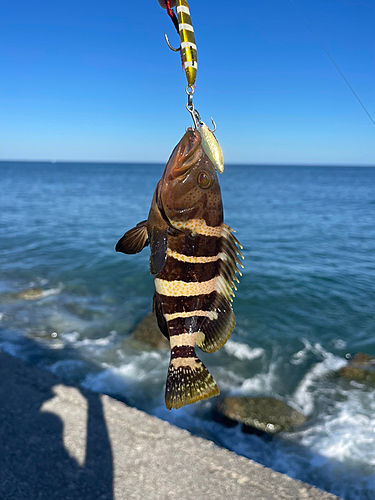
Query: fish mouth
{"type": "Point", "coordinates": [187, 153]}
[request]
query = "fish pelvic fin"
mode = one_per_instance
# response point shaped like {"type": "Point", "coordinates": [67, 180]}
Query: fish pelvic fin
{"type": "Point", "coordinates": [188, 380]}
{"type": "Point", "coordinates": [158, 235]}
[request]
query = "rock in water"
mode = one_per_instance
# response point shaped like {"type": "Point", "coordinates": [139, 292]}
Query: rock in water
{"type": "Point", "coordinates": [30, 294]}
{"type": "Point", "coordinates": [361, 368]}
{"type": "Point", "coordinates": [147, 331]}
{"type": "Point", "coordinates": [268, 415]}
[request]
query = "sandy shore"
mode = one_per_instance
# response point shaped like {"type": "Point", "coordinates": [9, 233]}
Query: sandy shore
{"type": "Point", "coordinates": [64, 442]}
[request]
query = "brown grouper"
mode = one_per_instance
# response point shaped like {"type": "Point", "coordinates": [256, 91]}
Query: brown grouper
{"type": "Point", "coordinates": [193, 257]}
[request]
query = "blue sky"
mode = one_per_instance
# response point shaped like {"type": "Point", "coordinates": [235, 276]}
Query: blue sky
{"type": "Point", "coordinates": [95, 81]}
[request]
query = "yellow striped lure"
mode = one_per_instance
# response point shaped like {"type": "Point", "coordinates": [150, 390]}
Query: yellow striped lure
{"type": "Point", "coordinates": [188, 52]}
{"type": "Point", "coordinates": [188, 47]}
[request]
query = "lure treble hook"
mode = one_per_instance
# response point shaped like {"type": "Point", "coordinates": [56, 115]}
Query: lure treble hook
{"type": "Point", "coordinates": [214, 125]}
{"type": "Point", "coordinates": [169, 45]}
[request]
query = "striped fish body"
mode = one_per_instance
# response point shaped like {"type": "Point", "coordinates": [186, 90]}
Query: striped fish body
{"type": "Point", "coordinates": [187, 41]}
{"type": "Point", "coordinates": [194, 258]}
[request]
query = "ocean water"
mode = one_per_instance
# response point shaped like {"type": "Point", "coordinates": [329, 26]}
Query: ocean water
{"type": "Point", "coordinates": [305, 302]}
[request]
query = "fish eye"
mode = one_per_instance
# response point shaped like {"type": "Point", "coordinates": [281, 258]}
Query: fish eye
{"type": "Point", "coordinates": [204, 180]}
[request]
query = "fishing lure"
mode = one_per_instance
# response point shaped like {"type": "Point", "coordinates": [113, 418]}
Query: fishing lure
{"type": "Point", "coordinates": [211, 146]}
{"type": "Point", "coordinates": [188, 47]}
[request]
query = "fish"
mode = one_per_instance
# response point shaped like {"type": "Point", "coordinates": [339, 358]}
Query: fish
{"type": "Point", "coordinates": [194, 257]}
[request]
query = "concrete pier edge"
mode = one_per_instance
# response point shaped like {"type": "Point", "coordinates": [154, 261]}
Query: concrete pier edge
{"type": "Point", "coordinates": [64, 442]}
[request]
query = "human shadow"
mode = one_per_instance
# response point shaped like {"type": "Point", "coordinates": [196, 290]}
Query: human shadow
{"type": "Point", "coordinates": [34, 462]}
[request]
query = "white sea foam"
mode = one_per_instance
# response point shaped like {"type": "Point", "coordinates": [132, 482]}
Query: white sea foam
{"type": "Point", "coordinates": [228, 380]}
{"type": "Point", "coordinates": [73, 339]}
{"type": "Point", "coordinates": [299, 357]}
{"type": "Point", "coordinates": [339, 343]}
{"type": "Point", "coordinates": [51, 291]}
{"type": "Point", "coordinates": [70, 337]}
{"type": "Point", "coordinates": [304, 395]}
{"type": "Point", "coordinates": [347, 432]}
{"type": "Point", "coordinates": [101, 342]}
{"type": "Point", "coordinates": [316, 349]}
{"type": "Point", "coordinates": [148, 366]}
{"type": "Point", "coordinates": [60, 340]}
{"type": "Point", "coordinates": [242, 351]}
{"type": "Point", "coordinates": [43, 293]}
{"type": "Point", "coordinates": [341, 436]}
{"type": "Point", "coordinates": [55, 344]}
{"type": "Point", "coordinates": [61, 323]}
{"type": "Point", "coordinates": [262, 383]}
{"type": "Point", "coordinates": [1, 316]}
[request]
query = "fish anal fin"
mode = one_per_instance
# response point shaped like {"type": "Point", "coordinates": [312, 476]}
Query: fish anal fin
{"type": "Point", "coordinates": [162, 324]}
{"type": "Point", "coordinates": [133, 240]}
{"type": "Point", "coordinates": [216, 332]}
{"type": "Point", "coordinates": [188, 381]}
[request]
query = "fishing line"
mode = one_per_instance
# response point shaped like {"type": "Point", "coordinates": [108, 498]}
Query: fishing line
{"type": "Point", "coordinates": [333, 62]}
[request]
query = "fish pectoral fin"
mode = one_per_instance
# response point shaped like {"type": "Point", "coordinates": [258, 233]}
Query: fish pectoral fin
{"type": "Point", "coordinates": [133, 240]}
{"type": "Point", "coordinates": [158, 248]}
{"type": "Point", "coordinates": [188, 381]}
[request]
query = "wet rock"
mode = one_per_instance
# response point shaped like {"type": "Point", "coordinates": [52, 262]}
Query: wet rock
{"type": "Point", "coordinates": [34, 293]}
{"type": "Point", "coordinates": [361, 368]}
{"type": "Point", "coordinates": [267, 415]}
{"type": "Point", "coordinates": [147, 331]}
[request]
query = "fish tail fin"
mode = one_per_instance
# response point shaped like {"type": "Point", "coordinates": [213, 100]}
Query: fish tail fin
{"type": "Point", "coordinates": [188, 379]}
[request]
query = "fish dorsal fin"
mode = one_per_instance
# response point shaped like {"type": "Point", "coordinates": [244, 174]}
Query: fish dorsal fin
{"type": "Point", "coordinates": [133, 240]}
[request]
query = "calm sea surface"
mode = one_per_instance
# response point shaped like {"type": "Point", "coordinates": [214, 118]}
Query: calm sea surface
{"type": "Point", "coordinates": [306, 300]}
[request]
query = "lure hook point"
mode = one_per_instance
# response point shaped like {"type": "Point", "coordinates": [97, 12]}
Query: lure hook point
{"type": "Point", "coordinates": [169, 45]}
{"type": "Point", "coordinates": [214, 125]}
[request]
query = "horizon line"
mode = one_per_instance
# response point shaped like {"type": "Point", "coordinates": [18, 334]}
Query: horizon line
{"type": "Point", "coordinates": [98, 162]}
